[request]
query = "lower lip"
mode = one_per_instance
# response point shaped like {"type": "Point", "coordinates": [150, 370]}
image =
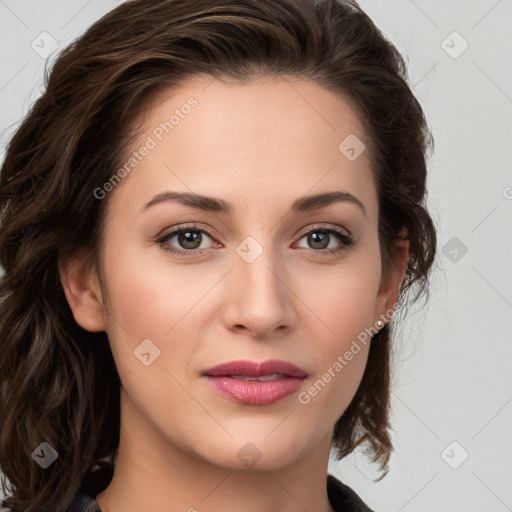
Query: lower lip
{"type": "Point", "coordinates": [255, 392]}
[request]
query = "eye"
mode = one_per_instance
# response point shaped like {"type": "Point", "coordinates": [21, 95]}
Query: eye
{"type": "Point", "coordinates": [189, 239]}
{"type": "Point", "coordinates": [321, 236]}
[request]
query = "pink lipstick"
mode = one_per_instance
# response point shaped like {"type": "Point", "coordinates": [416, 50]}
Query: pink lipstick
{"type": "Point", "coordinates": [253, 383]}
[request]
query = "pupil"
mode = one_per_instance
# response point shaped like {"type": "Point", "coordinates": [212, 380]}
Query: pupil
{"type": "Point", "coordinates": [191, 240]}
{"type": "Point", "coordinates": [187, 237]}
{"type": "Point", "coordinates": [316, 239]}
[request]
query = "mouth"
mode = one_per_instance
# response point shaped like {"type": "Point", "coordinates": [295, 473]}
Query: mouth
{"type": "Point", "coordinates": [253, 383]}
{"type": "Point", "coordinates": [271, 369]}
{"type": "Point", "coordinates": [262, 378]}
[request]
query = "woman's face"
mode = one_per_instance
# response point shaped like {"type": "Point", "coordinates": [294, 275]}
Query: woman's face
{"type": "Point", "coordinates": [260, 280]}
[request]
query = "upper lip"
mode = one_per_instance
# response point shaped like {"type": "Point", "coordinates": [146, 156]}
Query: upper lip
{"type": "Point", "coordinates": [255, 369]}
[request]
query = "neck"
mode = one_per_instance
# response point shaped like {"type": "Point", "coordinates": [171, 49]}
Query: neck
{"type": "Point", "coordinates": [153, 474]}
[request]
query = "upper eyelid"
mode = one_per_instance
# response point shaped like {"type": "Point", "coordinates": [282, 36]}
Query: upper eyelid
{"type": "Point", "coordinates": [172, 231]}
{"type": "Point", "coordinates": [302, 232]}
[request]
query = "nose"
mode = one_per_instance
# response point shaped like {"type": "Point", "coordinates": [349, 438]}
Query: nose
{"type": "Point", "coordinates": [259, 298]}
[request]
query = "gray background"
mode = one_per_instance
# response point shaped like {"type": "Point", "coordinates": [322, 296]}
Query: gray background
{"type": "Point", "coordinates": [452, 393]}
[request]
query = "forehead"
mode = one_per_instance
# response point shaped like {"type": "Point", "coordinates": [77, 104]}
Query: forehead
{"type": "Point", "coordinates": [265, 139]}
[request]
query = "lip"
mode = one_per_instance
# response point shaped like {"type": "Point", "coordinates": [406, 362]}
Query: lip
{"type": "Point", "coordinates": [255, 369]}
{"type": "Point", "coordinates": [255, 392]}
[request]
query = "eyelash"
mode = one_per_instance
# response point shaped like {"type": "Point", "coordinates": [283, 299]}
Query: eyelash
{"type": "Point", "coordinates": [342, 234]}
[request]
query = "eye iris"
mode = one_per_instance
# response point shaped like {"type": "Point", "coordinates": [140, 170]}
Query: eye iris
{"type": "Point", "coordinates": [186, 237]}
{"type": "Point", "coordinates": [191, 239]}
{"type": "Point", "coordinates": [315, 238]}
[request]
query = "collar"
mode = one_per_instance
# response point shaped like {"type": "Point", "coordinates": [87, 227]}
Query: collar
{"type": "Point", "coordinates": [341, 496]}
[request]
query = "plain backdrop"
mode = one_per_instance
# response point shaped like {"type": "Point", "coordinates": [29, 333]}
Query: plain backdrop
{"type": "Point", "coordinates": [452, 384]}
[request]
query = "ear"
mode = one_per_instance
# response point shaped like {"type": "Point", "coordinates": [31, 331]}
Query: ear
{"type": "Point", "coordinates": [82, 288]}
{"type": "Point", "coordinates": [390, 285]}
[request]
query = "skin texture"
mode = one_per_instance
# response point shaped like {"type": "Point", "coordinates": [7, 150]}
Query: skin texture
{"type": "Point", "coordinates": [258, 146]}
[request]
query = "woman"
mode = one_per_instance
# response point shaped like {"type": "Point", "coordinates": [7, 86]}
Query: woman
{"type": "Point", "coordinates": [209, 219]}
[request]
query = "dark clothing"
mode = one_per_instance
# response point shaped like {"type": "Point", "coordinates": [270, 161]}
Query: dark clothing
{"type": "Point", "coordinates": [341, 497]}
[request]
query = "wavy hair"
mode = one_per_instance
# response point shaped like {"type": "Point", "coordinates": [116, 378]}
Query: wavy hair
{"type": "Point", "coordinates": [59, 382]}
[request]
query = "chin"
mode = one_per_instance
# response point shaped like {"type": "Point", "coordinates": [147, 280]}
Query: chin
{"type": "Point", "coordinates": [255, 453]}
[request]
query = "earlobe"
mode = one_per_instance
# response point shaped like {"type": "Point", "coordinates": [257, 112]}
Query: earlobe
{"type": "Point", "coordinates": [402, 258]}
{"type": "Point", "coordinates": [390, 287]}
{"type": "Point", "coordinates": [82, 289]}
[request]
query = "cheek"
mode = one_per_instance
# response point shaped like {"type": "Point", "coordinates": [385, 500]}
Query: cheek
{"type": "Point", "coordinates": [343, 300]}
{"type": "Point", "coordinates": [342, 347]}
{"type": "Point", "coordinates": [342, 308]}
{"type": "Point", "coordinates": [171, 304]}
{"type": "Point", "coordinates": [149, 299]}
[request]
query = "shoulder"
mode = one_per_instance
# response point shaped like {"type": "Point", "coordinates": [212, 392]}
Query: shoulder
{"type": "Point", "coordinates": [343, 498]}
{"type": "Point", "coordinates": [81, 503]}
{"type": "Point", "coordinates": [4, 507]}
{"type": "Point", "coordinates": [93, 482]}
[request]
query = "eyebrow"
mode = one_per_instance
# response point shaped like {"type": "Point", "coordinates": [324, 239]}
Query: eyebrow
{"type": "Point", "coordinates": [217, 205]}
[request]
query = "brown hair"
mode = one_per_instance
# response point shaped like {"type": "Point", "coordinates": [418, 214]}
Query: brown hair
{"type": "Point", "coordinates": [59, 383]}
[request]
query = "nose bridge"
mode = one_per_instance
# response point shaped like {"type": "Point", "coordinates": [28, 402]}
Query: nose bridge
{"type": "Point", "coordinates": [257, 265]}
{"type": "Point", "coordinates": [260, 300]}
